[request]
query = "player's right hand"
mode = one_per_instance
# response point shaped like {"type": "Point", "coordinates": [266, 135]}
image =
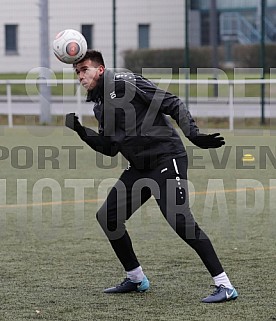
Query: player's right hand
{"type": "Point", "coordinates": [72, 121]}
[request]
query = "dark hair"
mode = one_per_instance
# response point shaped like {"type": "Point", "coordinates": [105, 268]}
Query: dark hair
{"type": "Point", "coordinates": [93, 55]}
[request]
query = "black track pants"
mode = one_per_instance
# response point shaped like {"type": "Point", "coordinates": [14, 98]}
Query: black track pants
{"type": "Point", "coordinates": [168, 184]}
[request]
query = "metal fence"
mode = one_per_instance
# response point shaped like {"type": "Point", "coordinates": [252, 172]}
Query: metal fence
{"type": "Point", "coordinates": [227, 106]}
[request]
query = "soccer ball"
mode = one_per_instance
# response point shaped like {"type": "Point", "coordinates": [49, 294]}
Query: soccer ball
{"type": "Point", "coordinates": [69, 46]}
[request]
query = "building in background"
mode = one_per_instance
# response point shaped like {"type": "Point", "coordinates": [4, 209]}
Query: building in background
{"type": "Point", "coordinates": [142, 24]}
{"type": "Point", "coordinates": [238, 20]}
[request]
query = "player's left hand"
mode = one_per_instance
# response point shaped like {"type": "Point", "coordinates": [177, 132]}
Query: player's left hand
{"type": "Point", "coordinates": [208, 141]}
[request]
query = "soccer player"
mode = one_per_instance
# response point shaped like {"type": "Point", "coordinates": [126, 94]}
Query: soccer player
{"type": "Point", "coordinates": [132, 115]}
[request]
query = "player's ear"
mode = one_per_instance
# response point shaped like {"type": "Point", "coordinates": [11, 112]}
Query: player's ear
{"type": "Point", "coordinates": [101, 69]}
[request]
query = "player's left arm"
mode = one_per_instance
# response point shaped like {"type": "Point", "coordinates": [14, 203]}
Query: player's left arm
{"type": "Point", "coordinates": [175, 107]}
{"type": "Point", "coordinates": [169, 104]}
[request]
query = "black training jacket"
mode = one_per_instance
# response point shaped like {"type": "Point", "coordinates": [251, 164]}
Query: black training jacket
{"type": "Point", "coordinates": [133, 119]}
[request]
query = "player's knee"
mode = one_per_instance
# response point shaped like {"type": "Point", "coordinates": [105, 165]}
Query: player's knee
{"type": "Point", "coordinates": [101, 218]}
{"type": "Point", "coordinates": [98, 216]}
{"type": "Point", "coordinates": [185, 226]}
{"type": "Point", "coordinates": [107, 222]}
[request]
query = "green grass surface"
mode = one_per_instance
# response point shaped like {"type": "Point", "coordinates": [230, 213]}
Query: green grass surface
{"type": "Point", "coordinates": [54, 269]}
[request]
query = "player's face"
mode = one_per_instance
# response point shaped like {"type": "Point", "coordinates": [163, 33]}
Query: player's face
{"type": "Point", "coordinates": [88, 73]}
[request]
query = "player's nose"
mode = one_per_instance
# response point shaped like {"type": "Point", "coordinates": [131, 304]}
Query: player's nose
{"type": "Point", "coordinates": [81, 76]}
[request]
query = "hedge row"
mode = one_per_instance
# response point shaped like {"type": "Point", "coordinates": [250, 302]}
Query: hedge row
{"type": "Point", "coordinates": [250, 56]}
{"type": "Point", "coordinates": [243, 56]}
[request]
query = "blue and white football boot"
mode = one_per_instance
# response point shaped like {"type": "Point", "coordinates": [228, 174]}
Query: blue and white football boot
{"type": "Point", "coordinates": [221, 294]}
{"type": "Point", "coordinates": [129, 286]}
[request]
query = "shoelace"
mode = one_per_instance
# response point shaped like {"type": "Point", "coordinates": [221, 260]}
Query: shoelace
{"type": "Point", "coordinates": [124, 281]}
{"type": "Point", "coordinates": [218, 289]}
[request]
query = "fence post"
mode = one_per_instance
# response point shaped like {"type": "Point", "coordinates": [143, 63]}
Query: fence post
{"type": "Point", "coordinates": [9, 102]}
{"type": "Point", "coordinates": [231, 106]}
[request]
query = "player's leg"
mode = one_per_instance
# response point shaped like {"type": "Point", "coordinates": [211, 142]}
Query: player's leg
{"type": "Point", "coordinates": [120, 204]}
{"type": "Point", "coordinates": [174, 204]}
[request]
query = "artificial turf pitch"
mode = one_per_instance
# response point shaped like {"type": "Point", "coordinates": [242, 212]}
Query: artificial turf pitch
{"type": "Point", "coordinates": [55, 260]}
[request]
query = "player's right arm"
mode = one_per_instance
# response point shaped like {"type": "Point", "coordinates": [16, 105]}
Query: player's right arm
{"type": "Point", "coordinates": [99, 143]}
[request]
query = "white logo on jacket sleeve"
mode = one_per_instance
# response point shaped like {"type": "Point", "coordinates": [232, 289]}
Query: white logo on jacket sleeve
{"type": "Point", "coordinates": [112, 95]}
